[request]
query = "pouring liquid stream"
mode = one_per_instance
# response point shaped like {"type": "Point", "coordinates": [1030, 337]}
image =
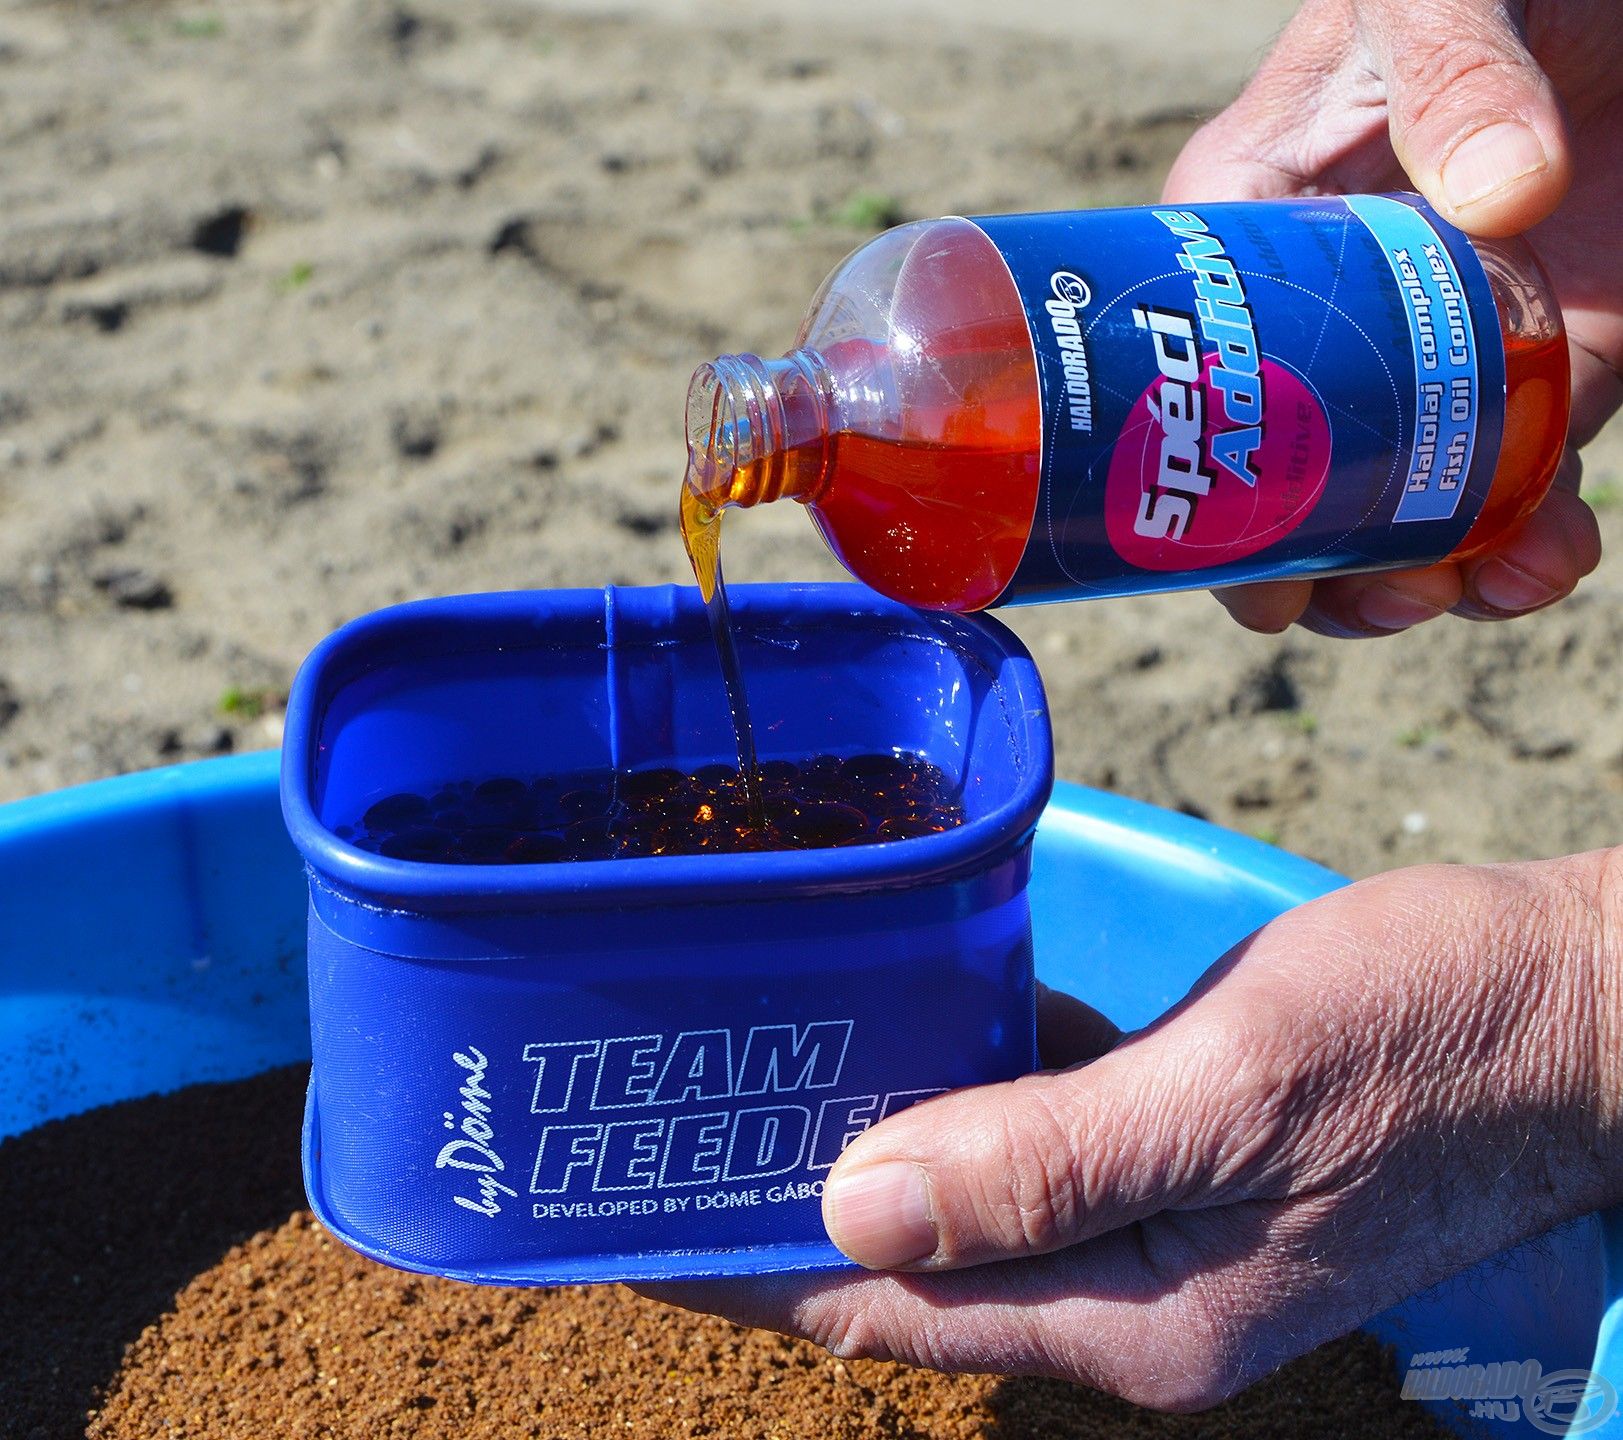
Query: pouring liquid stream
{"type": "Point", "coordinates": [701, 535]}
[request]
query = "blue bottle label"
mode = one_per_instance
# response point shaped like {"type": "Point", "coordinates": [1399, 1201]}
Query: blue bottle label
{"type": "Point", "coordinates": [1252, 390]}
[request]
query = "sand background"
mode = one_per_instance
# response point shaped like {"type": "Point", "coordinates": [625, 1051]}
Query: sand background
{"type": "Point", "coordinates": [311, 307]}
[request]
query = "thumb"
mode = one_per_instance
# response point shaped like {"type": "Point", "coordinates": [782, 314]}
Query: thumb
{"type": "Point", "coordinates": [1039, 1163]}
{"type": "Point", "coordinates": [1474, 121]}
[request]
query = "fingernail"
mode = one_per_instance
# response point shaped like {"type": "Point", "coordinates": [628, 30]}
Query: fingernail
{"type": "Point", "coordinates": [1496, 156]}
{"type": "Point", "coordinates": [1383, 608]}
{"type": "Point", "coordinates": [1504, 587]}
{"type": "Point", "coordinates": [879, 1214]}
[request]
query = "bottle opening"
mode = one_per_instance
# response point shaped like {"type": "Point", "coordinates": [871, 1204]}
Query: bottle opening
{"type": "Point", "coordinates": [758, 429]}
{"type": "Point", "coordinates": [711, 461]}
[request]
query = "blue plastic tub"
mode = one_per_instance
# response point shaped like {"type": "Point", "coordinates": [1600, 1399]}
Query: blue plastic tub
{"type": "Point", "coordinates": [154, 937]}
{"type": "Point", "coordinates": [641, 1069]}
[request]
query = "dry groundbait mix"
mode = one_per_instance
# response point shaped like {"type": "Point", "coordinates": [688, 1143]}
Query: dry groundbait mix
{"type": "Point", "coordinates": [164, 1278]}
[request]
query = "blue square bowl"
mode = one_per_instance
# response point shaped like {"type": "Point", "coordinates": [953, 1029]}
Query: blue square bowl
{"type": "Point", "coordinates": [643, 1068]}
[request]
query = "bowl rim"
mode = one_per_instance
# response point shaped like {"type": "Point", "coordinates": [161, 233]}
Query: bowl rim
{"type": "Point", "coordinates": [392, 884]}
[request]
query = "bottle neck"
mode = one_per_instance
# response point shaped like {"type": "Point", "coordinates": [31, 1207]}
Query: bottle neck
{"type": "Point", "coordinates": [759, 429]}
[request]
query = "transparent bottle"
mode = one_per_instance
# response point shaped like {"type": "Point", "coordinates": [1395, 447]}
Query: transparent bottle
{"type": "Point", "coordinates": [910, 417]}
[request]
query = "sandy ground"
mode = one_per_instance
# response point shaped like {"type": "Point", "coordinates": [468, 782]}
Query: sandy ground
{"type": "Point", "coordinates": [310, 307]}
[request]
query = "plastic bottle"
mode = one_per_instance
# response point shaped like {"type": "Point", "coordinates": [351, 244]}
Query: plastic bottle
{"type": "Point", "coordinates": [1043, 407]}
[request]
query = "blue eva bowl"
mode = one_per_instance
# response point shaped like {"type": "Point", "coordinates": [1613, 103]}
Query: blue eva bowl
{"type": "Point", "coordinates": [154, 930]}
{"type": "Point", "coordinates": [642, 1069]}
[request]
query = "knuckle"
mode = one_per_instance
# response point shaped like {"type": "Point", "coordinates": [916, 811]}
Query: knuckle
{"type": "Point", "coordinates": [880, 1331]}
{"type": "Point", "coordinates": [1250, 141]}
{"type": "Point", "coordinates": [1448, 79]}
{"type": "Point", "coordinates": [852, 1335]}
{"type": "Point", "coordinates": [1271, 1077]}
{"type": "Point", "coordinates": [1028, 1202]}
{"type": "Point", "coordinates": [1257, 1057]}
{"type": "Point", "coordinates": [1266, 1100]}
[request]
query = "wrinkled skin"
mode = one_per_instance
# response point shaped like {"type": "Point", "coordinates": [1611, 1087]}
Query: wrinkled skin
{"type": "Point", "coordinates": [1370, 1093]}
{"type": "Point", "coordinates": [1376, 96]}
{"type": "Point", "coordinates": [1378, 1088]}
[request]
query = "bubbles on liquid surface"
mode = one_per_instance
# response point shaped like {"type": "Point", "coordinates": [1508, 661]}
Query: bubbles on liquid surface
{"type": "Point", "coordinates": [821, 803]}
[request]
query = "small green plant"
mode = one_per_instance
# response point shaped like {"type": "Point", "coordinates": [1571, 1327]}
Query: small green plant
{"type": "Point", "coordinates": [1604, 494]}
{"type": "Point", "coordinates": [1304, 722]}
{"type": "Point", "coordinates": [200, 27]}
{"type": "Point", "coordinates": [248, 704]}
{"type": "Point", "coordinates": [1267, 834]}
{"type": "Point", "coordinates": [867, 210]}
{"type": "Point", "coordinates": [1416, 736]}
{"type": "Point", "coordinates": [299, 274]}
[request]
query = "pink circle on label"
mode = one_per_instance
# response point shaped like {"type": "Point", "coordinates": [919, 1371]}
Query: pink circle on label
{"type": "Point", "coordinates": [1167, 510]}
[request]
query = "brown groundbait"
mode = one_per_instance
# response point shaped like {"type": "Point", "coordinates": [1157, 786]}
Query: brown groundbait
{"type": "Point", "coordinates": [286, 1333]}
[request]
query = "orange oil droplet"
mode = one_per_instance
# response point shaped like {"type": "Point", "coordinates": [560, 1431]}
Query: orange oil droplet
{"type": "Point", "coordinates": [700, 523]}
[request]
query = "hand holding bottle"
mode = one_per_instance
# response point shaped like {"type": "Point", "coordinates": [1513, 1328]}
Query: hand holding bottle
{"type": "Point", "coordinates": [1509, 118]}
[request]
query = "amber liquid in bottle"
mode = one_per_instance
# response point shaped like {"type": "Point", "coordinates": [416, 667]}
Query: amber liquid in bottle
{"type": "Point", "coordinates": [908, 421]}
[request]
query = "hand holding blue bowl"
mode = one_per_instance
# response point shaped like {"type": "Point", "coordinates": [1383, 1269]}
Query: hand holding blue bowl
{"type": "Point", "coordinates": [1369, 1094]}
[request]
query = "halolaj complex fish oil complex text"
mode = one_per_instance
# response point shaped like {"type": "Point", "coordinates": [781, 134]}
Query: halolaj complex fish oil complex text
{"type": "Point", "coordinates": [1046, 407]}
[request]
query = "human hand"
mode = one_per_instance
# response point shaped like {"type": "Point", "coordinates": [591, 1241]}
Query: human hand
{"type": "Point", "coordinates": [1371, 1093]}
{"type": "Point", "coordinates": [1508, 116]}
